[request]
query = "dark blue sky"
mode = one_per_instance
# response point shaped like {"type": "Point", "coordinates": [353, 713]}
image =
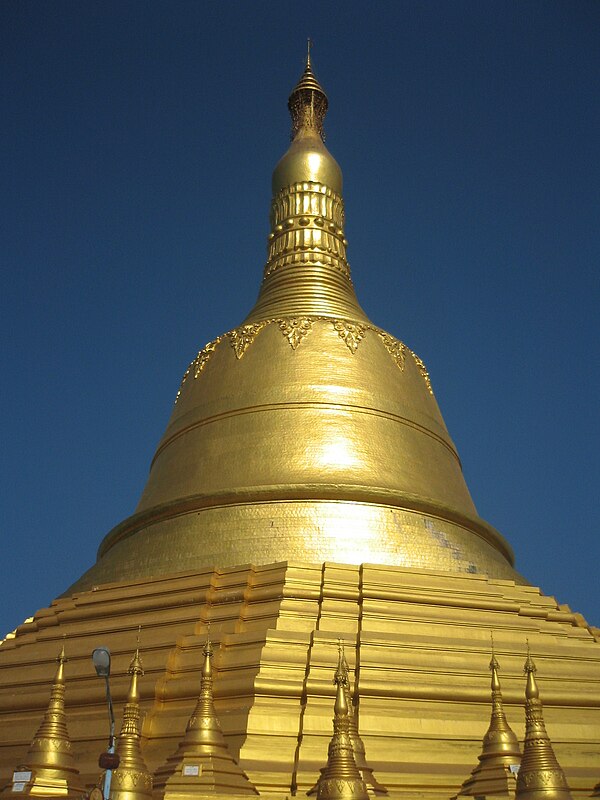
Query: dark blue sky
{"type": "Point", "coordinates": [136, 153]}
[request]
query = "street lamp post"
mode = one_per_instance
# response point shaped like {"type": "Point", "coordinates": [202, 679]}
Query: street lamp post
{"type": "Point", "coordinates": [108, 760]}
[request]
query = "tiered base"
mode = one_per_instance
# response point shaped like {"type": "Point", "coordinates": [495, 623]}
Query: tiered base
{"type": "Point", "coordinates": [418, 645]}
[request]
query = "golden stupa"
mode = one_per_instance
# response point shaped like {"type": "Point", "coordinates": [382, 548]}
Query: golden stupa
{"type": "Point", "coordinates": [500, 757]}
{"type": "Point", "coordinates": [306, 490]}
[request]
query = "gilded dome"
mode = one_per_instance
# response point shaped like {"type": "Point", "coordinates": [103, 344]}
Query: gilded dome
{"type": "Point", "coordinates": [305, 433]}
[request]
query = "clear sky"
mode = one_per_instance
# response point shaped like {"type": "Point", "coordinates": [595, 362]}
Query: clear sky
{"type": "Point", "coordinates": [137, 146]}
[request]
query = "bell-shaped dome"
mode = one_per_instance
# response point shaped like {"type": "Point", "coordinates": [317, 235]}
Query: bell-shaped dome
{"type": "Point", "coordinates": [306, 433]}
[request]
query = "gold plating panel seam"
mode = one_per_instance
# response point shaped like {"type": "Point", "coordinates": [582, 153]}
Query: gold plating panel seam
{"type": "Point", "coordinates": [302, 406]}
{"type": "Point", "coordinates": [326, 493]}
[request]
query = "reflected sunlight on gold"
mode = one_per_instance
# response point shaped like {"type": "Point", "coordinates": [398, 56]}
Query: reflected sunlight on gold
{"type": "Point", "coordinates": [337, 453]}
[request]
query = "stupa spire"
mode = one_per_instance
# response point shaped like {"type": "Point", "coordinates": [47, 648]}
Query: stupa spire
{"type": "Point", "coordinates": [203, 765]}
{"type": "Point", "coordinates": [49, 768]}
{"type": "Point", "coordinates": [540, 776]}
{"type": "Point", "coordinates": [307, 271]}
{"type": "Point", "coordinates": [341, 779]}
{"type": "Point", "coordinates": [500, 755]}
{"type": "Point", "coordinates": [358, 746]}
{"type": "Point", "coordinates": [308, 102]}
{"type": "Point", "coordinates": [132, 780]}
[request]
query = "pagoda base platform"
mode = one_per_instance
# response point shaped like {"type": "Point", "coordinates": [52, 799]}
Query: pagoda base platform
{"type": "Point", "coordinates": [418, 646]}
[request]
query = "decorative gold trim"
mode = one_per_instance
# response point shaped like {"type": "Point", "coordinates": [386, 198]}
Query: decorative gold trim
{"type": "Point", "coordinates": [423, 370]}
{"type": "Point", "coordinates": [307, 227]}
{"type": "Point", "coordinates": [395, 348]}
{"type": "Point", "coordinates": [203, 356]}
{"type": "Point", "coordinates": [241, 338]}
{"type": "Point", "coordinates": [198, 363]}
{"type": "Point", "coordinates": [351, 333]}
{"type": "Point", "coordinates": [295, 329]}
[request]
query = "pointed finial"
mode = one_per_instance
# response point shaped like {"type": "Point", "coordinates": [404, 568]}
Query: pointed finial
{"type": "Point", "coordinates": [340, 679]}
{"type": "Point", "coordinates": [136, 670]}
{"type": "Point", "coordinates": [308, 102]}
{"type": "Point", "coordinates": [135, 666]}
{"type": "Point", "coordinates": [61, 660]}
{"type": "Point", "coordinates": [208, 654]}
{"type": "Point", "coordinates": [341, 672]}
{"type": "Point", "coordinates": [531, 689]}
{"type": "Point", "coordinates": [493, 661]}
{"type": "Point", "coordinates": [494, 666]}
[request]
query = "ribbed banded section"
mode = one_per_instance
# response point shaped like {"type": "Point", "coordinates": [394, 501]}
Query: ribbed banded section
{"type": "Point", "coordinates": [307, 271]}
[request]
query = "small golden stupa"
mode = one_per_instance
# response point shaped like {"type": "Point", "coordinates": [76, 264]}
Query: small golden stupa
{"type": "Point", "coordinates": [306, 489]}
{"type": "Point", "coordinates": [341, 779]}
{"type": "Point", "coordinates": [496, 773]}
{"type": "Point", "coordinates": [358, 747]}
{"type": "Point", "coordinates": [49, 769]}
{"type": "Point", "coordinates": [540, 776]}
{"type": "Point", "coordinates": [203, 765]}
{"type": "Point", "coordinates": [131, 780]}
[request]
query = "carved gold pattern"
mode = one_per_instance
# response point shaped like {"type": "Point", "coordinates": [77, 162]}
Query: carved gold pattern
{"type": "Point", "coordinates": [183, 380]}
{"type": "Point", "coordinates": [395, 348]}
{"type": "Point", "coordinates": [423, 370]}
{"type": "Point", "coordinates": [307, 228]}
{"type": "Point", "coordinates": [352, 333]}
{"type": "Point", "coordinates": [308, 103]}
{"type": "Point", "coordinates": [203, 356]}
{"type": "Point", "coordinates": [198, 363]}
{"type": "Point", "coordinates": [241, 338]}
{"type": "Point", "coordinates": [295, 329]}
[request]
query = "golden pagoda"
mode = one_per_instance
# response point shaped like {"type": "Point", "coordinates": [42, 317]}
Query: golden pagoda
{"type": "Point", "coordinates": [49, 769]}
{"type": "Point", "coordinates": [341, 779]}
{"type": "Point", "coordinates": [496, 773]}
{"type": "Point", "coordinates": [306, 490]}
{"type": "Point", "coordinates": [132, 779]}
{"type": "Point", "coordinates": [540, 776]}
{"type": "Point", "coordinates": [358, 747]}
{"type": "Point", "coordinates": [203, 765]}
